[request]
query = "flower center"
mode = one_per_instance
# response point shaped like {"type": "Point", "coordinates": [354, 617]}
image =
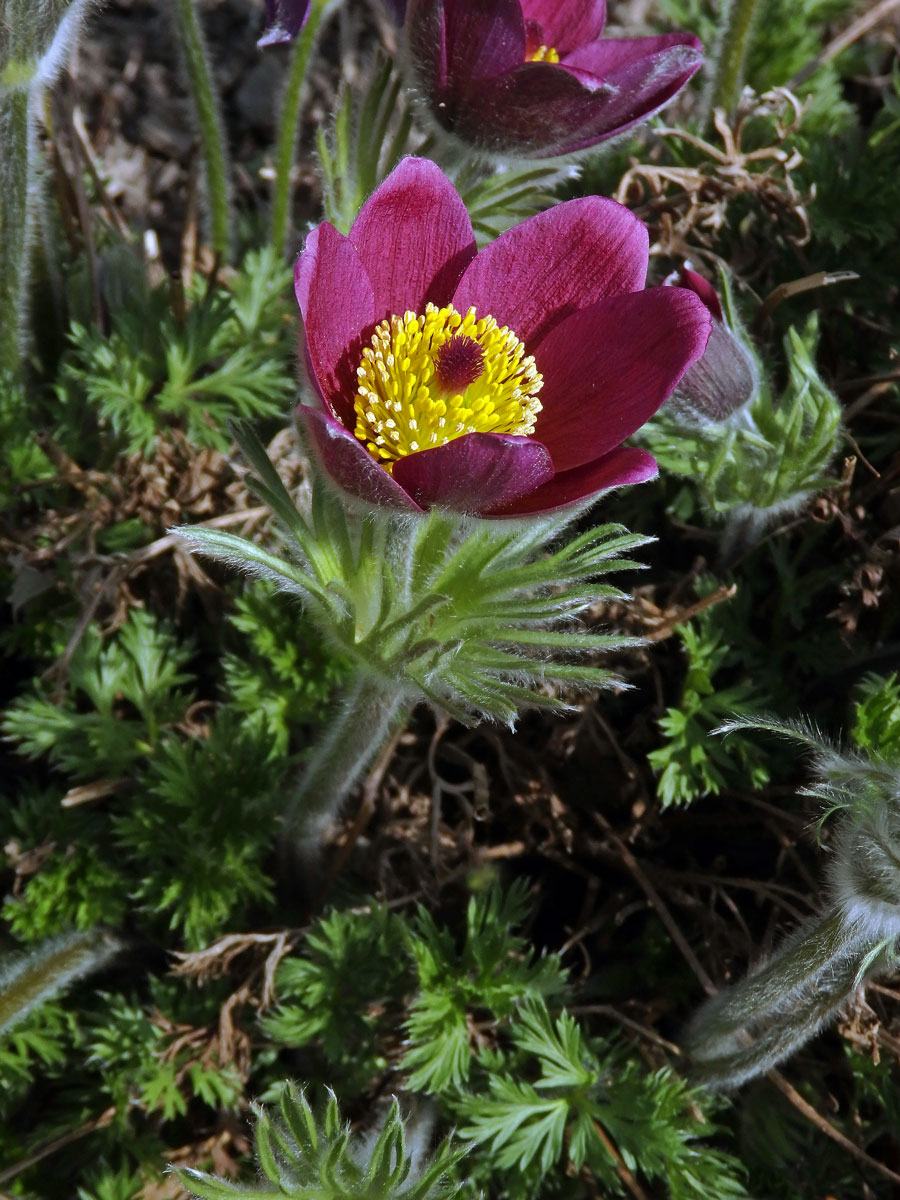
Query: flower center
{"type": "Point", "coordinates": [543, 53]}
{"type": "Point", "coordinates": [425, 380]}
{"type": "Point", "coordinates": [536, 50]}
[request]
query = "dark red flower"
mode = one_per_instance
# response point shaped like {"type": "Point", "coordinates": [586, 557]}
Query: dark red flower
{"type": "Point", "coordinates": [534, 78]}
{"type": "Point", "coordinates": [500, 382]}
{"type": "Point", "coordinates": [284, 20]}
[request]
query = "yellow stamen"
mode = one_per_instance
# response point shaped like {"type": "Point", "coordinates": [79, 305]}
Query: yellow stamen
{"type": "Point", "coordinates": [543, 54]}
{"type": "Point", "coordinates": [412, 397]}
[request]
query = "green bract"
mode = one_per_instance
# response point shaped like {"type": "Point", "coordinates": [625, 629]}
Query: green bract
{"type": "Point", "coordinates": [464, 613]}
{"type": "Point", "coordinates": [768, 459]}
{"type": "Point", "coordinates": [318, 1160]}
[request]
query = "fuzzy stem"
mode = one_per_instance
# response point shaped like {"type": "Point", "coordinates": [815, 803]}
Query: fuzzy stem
{"type": "Point", "coordinates": [289, 127]}
{"type": "Point", "coordinates": [215, 153]}
{"type": "Point", "coordinates": [31, 978]}
{"type": "Point", "coordinates": [16, 172]}
{"type": "Point", "coordinates": [356, 733]}
{"type": "Point", "coordinates": [728, 75]}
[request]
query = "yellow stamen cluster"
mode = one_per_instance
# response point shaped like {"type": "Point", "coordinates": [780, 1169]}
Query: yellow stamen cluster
{"type": "Point", "coordinates": [544, 54]}
{"type": "Point", "coordinates": [405, 404]}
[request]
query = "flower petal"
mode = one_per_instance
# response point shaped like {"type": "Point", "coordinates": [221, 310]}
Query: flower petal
{"type": "Point", "coordinates": [539, 109]}
{"type": "Point", "coordinates": [703, 288]}
{"type": "Point", "coordinates": [551, 265]}
{"type": "Point", "coordinates": [607, 369]}
{"type": "Point", "coordinates": [348, 462]}
{"type": "Point", "coordinates": [335, 298]}
{"type": "Point", "coordinates": [630, 78]}
{"type": "Point", "coordinates": [566, 24]}
{"type": "Point", "coordinates": [454, 43]}
{"type": "Point", "coordinates": [607, 57]}
{"type": "Point", "coordinates": [622, 467]}
{"type": "Point", "coordinates": [414, 238]}
{"type": "Point", "coordinates": [474, 472]}
{"type": "Point", "coordinates": [284, 20]}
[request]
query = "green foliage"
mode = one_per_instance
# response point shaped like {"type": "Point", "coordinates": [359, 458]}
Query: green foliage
{"type": "Point", "coordinates": [852, 209]}
{"type": "Point", "coordinates": [129, 1045]}
{"type": "Point", "coordinates": [768, 459]}
{"type": "Point", "coordinates": [303, 1156]}
{"type": "Point", "coordinates": [459, 613]}
{"type": "Point", "coordinates": [75, 888]}
{"type": "Point", "coordinates": [503, 198]}
{"type": "Point", "coordinates": [369, 134]}
{"type": "Point", "coordinates": [200, 811]}
{"type": "Point", "coordinates": [535, 1096]}
{"type": "Point", "coordinates": [691, 762]}
{"type": "Point", "coordinates": [352, 965]}
{"type": "Point", "coordinates": [283, 675]}
{"type": "Point", "coordinates": [876, 718]}
{"type": "Point", "coordinates": [227, 356]}
{"type": "Point", "coordinates": [785, 37]}
{"type": "Point", "coordinates": [24, 462]}
{"type": "Point", "coordinates": [577, 1102]}
{"type": "Point", "coordinates": [133, 685]}
{"type": "Point", "coordinates": [43, 1038]}
{"type": "Point", "coordinates": [201, 834]}
{"type": "Point", "coordinates": [493, 969]}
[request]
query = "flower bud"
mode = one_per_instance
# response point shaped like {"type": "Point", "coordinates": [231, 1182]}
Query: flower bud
{"type": "Point", "coordinates": [725, 378]}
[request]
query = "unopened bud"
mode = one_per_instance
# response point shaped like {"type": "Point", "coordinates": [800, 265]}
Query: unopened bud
{"type": "Point", "coordinates": [725, 378]}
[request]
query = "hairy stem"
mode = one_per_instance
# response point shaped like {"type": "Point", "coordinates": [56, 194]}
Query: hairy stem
{"type": "Point", "coordinates": [357, 731]}
{"type": "Point", "coordinates": [31, 978]}
{"type": "Point", "coordinates": [215, 153]}
{"type": "Point", "coordinates": [289, 127]}
{"type": "Point", "coordinates": [15, 223]}
{"type": "Point", "coordinates": [731, 52]}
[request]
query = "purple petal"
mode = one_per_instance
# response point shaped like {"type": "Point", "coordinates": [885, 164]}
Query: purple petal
{"type": "Point", "coordinates": [551, 265]}
{"type": "Point", "coordinates": [456, 42]}
{"type": "Point", "coordinates": [623, 466]}
{"type": "Point", "coordinates": [475, 472]}
{"type": "Point", "coordinates": [349, 463]}
{"type": "Point", "coordinates": [630, 79]}
{"type": "Point", "coordinates": [414, 238]}
{"type": "Point", "coordinates": [566, 24]}
{"type": "Point", "coordinates": [702, 288]}
{"type": "Point", "coordinates": [540, 109]}
{"type": "Point", "coordinates": [284, 20]}
{"type": "Point", "coordinates": [609, 56]}
{"type": "Point", "coordinates": [607, 369]}
{"type": "Point", "coordinates": [335, 298]}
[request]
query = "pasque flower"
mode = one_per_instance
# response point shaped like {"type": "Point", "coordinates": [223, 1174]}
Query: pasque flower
{"type": "Point", "coordinates": [284, 20]}
{"type": "Point", "coordinates": [726, 377]}
{"type": "Point", "coordinates": [534, 77]}
{"type": "Point", "coordinates": [500, 382]}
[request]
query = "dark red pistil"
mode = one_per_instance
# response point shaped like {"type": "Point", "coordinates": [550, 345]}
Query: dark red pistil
{"type": "Point", "coordinates": [458, 363]}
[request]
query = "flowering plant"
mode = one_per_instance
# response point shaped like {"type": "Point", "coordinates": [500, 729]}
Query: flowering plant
{"type": "Point", "coordinates": [534, 78]}
{"type": "Point", "coordinates": [498, 383]}
{"type": "Point", "coordinates": [429, 425]}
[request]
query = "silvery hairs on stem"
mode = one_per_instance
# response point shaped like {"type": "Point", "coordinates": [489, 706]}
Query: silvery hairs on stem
{"type": "Point", "coordinates": [750, 1027]}
{"type": "Point", "coordinates": [36, 41]}
{"type": "Point", "coordinates": [472, 616]}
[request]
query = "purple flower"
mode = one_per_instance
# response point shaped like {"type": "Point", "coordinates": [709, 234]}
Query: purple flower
{"type": "Point", "coordinates": [725, 378]}
{"type": "Point", "coordinates": [534, 78]}
{"type": "Point", "coordinates": [284, 20]}
{"type": "Point", "coordinates": [497, 382]}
